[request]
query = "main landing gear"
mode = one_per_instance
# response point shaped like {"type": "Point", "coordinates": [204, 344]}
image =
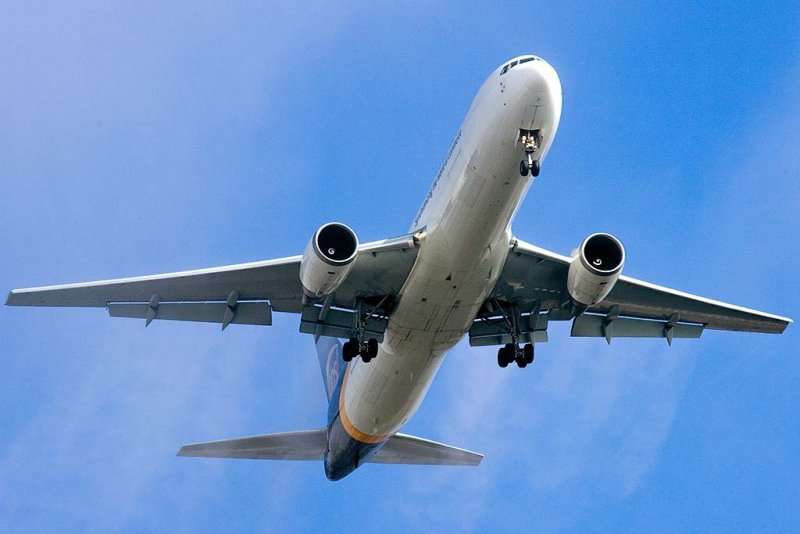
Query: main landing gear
{"type": "Point", "coordinates": [359, 345]}
{"type": "Point", "coordinates": [511, 352]}
{"type": "Point", "coordinates": [366, 350]}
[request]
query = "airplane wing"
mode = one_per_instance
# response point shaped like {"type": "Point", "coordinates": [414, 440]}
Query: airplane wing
{"type": "Point", "coordinates": [535, 280]}
{"type": "Point", "coordinates": [240, 294]}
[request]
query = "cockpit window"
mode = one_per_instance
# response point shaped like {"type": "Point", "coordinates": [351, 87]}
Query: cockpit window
{"type": "Point", "coordinates": [519, 62]}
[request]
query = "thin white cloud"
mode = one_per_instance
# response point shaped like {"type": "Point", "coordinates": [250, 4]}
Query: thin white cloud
{"type": "Point", "coordinates": [584, 418]}
{"type": "Point", "coordinates": [109, 436]}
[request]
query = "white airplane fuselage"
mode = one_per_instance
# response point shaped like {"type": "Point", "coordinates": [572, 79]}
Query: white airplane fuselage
{"type": "Point", "coordinates": [464, 224]}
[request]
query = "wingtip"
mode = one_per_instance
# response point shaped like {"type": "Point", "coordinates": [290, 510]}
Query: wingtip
{"type": "Point", "coordinates": [786, 324]}
{"type": "Point", "coordinates": [10, 298]}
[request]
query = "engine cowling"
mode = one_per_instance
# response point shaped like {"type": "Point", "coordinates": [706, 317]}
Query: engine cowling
{"type": "Point", "coordinates": [596, 265]}
{"type": "Point", "coordinates": [328, 259]}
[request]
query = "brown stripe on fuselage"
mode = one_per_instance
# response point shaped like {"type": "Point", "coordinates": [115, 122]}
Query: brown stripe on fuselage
{"type": "Point", "coordinates": [347, 424]}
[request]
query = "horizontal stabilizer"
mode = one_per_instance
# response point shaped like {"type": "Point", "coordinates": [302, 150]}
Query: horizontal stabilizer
{"type": "Point", "coordinates": [302, 445]}
{"type": "Point", "coordinates": [311, 445]}
{"type": "Point", "coordinates": [405, 449]}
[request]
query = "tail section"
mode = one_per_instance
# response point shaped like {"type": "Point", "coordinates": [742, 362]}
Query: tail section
{"type": "Point", "coordinates": [311, 445]}
{"type": "Point", "coordinates": [345, 454]}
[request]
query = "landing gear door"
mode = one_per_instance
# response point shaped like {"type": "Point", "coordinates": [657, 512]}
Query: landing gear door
{"type": "Point", "coordinates": [529, 118]}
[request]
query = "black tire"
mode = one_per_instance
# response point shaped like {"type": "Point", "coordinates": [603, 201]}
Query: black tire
{"type": "Point", "coordinates": [523, 168]}
{"type": "Point", "coordinates": [535, 169]}
{"type": "Point", "coordinates": [521, 363]}
{"type": "Point", "coordinates": [527, 351]}
{"type": "Point", "coordinates": [347, 351]}
{"type": "Point", "coordinates": [510, 352]}
{"type": "Point", "coordinates": [372, 347]}
{"type": "Point", "coordinates": [366, 358]}
{"type": "Point", "coordinates": [501, 357]}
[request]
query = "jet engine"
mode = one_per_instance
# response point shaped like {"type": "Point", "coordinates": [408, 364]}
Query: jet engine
{"type": "Point", "coordinates": [327, 259]}
{"type": "Point", "coordinates": [595, 268]}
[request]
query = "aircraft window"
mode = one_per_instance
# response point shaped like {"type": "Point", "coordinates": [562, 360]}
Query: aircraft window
{"type": "Point", "coordinates": [515, 63]}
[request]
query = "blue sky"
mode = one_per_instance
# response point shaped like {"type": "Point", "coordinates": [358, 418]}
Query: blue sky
{"type": "Point", "coordinates": [145, 137]}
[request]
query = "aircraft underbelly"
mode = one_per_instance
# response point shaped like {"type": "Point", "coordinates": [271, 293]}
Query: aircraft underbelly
{"type": "Point", "coordinates": [466, 217]}
{"type": "Point", "coordinates": [456, 268]}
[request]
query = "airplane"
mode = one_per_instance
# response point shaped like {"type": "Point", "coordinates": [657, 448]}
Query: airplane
{"type": "Point", "coordinates": [401, 303]}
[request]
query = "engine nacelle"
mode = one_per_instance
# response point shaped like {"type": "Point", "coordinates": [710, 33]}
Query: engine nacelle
{"type": "Point", "coordinates": [595, 268]}
{"type": "Point", "coordinates": [328, 259]}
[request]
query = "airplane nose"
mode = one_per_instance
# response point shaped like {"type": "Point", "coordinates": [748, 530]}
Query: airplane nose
{"type": "Point", "coordinates": [540, 76]}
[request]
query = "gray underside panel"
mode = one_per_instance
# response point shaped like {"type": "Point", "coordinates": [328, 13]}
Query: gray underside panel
{"type": "Point", "coordinates": [255, 313]}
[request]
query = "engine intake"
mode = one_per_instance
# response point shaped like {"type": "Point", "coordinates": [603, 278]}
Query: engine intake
{"type": "Point", "coordinates": [597, 264]}
{"type": "Point", "coordinates": [328, 259]}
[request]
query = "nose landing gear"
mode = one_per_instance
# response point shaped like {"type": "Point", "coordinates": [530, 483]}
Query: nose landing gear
{"type": "Point", "coordinates": [532, 140]}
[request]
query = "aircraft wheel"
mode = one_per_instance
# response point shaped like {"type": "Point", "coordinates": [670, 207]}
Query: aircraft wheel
{"type": "Point", "coordinates": [509, 353]}
{"type": "Point", "coordinates": [535, 169]}
{"type": "Point", "coordinates": [523, 168]}
{"type": "Point", "coordinates": [501, 357]}
{"type": "Point", "coordinates": [527, 352]}
{"type": "Point", "coordinates": [366, 358]}
{"type": "Point", "coordinates": [372, 347]}
{"type": "Point", "coordinates": [348, 350]}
